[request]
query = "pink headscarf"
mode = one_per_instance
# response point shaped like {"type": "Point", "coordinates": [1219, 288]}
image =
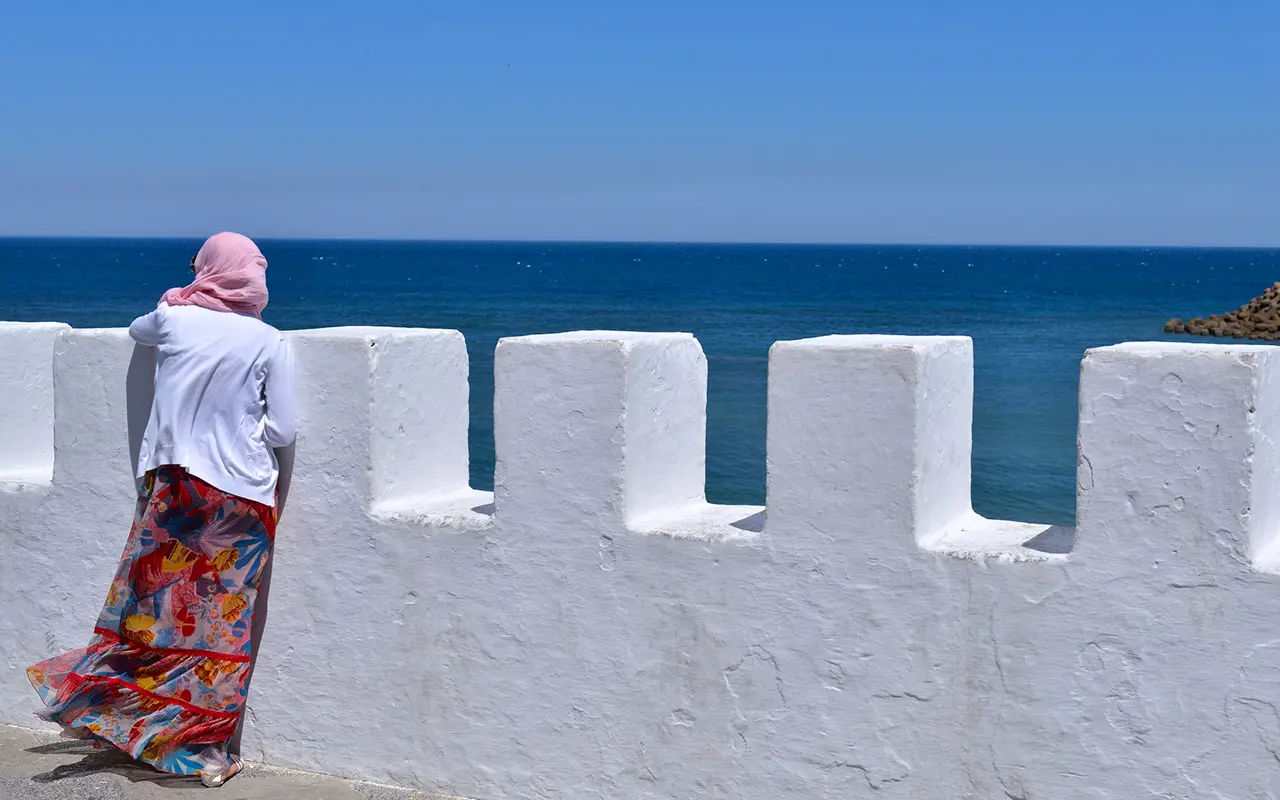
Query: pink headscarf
{"type": "Point", "coordinates": [231, 275]}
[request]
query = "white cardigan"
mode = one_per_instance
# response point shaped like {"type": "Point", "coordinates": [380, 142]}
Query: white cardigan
{"type": "Point", "coordinates": [223, 399]}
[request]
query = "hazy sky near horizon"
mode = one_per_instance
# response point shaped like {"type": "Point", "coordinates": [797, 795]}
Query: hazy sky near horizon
{"type": "Point", "coordinates": [914, 121]}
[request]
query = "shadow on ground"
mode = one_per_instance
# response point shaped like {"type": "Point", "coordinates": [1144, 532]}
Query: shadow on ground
{"type": "Point", "coordinates": [101, 759]}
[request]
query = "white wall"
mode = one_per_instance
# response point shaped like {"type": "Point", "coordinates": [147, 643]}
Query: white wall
{"type": "Point", "coordinates": [595, 629]}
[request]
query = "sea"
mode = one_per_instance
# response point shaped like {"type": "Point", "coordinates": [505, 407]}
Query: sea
{"type": "Point", "coordinates": [1032, 313]}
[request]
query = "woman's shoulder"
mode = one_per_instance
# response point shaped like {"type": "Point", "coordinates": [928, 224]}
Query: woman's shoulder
{"type": "Point", "coordinates": [264, 331]}
{"type": "Point", "coordinates": [268, 333]}
{"type": "Point", "coordinates": [266, 327]}
{"type": "Point", "coordinates": [242, 325]}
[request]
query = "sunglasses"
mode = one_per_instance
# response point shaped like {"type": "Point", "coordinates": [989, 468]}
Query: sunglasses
{"type": "Point", "coordinates": [193, 263]}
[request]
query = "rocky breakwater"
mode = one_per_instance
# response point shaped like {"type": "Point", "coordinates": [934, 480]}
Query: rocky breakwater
{"type": "Point", "coordinates": [1257, 319]}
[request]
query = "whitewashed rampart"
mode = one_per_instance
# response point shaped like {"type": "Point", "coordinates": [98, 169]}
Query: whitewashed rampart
{"type": "Point", "coordinates": [595, 629]}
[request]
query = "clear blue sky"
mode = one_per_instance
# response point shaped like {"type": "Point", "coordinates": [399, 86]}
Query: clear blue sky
{"type": "Point", "coordinates": [1088, 121]}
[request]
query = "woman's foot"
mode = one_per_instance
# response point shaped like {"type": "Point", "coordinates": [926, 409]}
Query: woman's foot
{"type": "Point", "coordinates": [80, 735]}
{"type": "Point", "coordinates": [215, 779]}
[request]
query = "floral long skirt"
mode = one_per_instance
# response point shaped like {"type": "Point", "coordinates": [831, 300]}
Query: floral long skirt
{"type": "Point", "coordinates": [164, 677]}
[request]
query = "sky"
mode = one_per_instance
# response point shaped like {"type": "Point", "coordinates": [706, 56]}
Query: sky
{"type": "Point", "coordinates": [1148, 122]}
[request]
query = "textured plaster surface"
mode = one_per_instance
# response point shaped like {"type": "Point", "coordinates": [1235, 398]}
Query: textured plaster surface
{"type": "Point", "coordinates": [595, 629]}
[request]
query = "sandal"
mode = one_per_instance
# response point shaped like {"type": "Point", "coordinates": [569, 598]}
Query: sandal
{"type": "Point", "coordinates": [215, 779]}
{"type": "Point", "coordinates": [80, 735]}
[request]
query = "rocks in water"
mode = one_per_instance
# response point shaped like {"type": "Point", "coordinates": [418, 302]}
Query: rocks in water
{"type": "Point", "coordinates": [1257, 319]}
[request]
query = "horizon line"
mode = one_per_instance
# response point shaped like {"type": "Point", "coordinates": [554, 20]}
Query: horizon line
{"type": "Point", "coordinates": [639, 242]}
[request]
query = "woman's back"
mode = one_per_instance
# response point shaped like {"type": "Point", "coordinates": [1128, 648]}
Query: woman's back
{"type": "Point", "coordinates": [165, 676]}
{"type": "Point", "coordinates": [223, 397]}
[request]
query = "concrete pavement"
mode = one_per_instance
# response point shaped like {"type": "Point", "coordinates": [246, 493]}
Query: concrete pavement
{"type": "Point", "coordinates": [41, 766]}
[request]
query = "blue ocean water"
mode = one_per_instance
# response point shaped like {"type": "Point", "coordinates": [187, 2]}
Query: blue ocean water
{"type": "Point", "coordinates": [1032, 312]}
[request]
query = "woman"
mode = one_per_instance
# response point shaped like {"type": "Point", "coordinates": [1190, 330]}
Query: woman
{"type": "Point", "coordinates": [164, 677]}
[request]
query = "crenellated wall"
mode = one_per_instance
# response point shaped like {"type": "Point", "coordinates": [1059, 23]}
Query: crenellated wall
{"type": "Point", "coordinates": [596, 629]}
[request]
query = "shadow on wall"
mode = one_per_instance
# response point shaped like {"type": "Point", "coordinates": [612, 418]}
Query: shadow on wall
{"type": "Point", "coordinates": [140, 390]}
{"type": "Point", "coordinates": [139, 395]}
{"type": "Point", "coordinates": [1059, 539]}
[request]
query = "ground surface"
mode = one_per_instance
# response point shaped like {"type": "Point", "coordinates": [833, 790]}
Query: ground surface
{"type": "Point", "coordinates": [39, 766]}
